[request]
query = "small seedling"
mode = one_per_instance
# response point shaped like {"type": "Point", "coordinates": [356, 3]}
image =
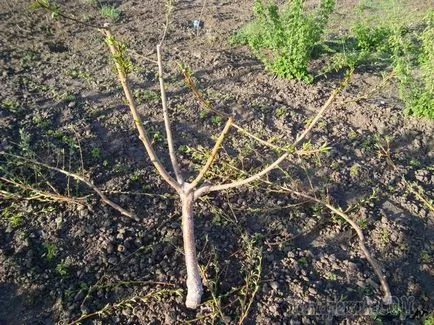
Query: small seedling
{"type": "Point", "coordinates": [14, 217]}
{"type": "Point", "coordinates": [280, 112]}
{"type": "Point", "coordinates": [216, 119]}
{"type": "Point", "coordinates": [50, 251]}
{"type": "Point", "coordinates": [330, 276]}
{"type": "Point", "coordinates": [62, 269]}
{"type": "Point", "coordinates": [190, 190]}
{"type": "Point", "coordinates": [425, 257]}
{"type": "Point", "coordinates": [95, 153]}
{"type": "Point", "coordinates": [355, 170]}
{"type": "Point", "coordinates": [110, 12]}
{"type": "Point", "coordinates": [144, 95]}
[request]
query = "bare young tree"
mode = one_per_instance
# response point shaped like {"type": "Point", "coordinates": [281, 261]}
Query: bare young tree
{"type": "Point", "coordinates": [190, 192]}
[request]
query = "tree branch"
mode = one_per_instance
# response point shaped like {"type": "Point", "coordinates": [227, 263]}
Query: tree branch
{"type": "Point", "coordinates": [213, 154]}
{"type": "Point", "coordinates": [172, 154]}
{"type": "Point", "coordinates": [137, 121]}
{"type": "Point", "coordinates": [211, 188]}
{"type": "Point", "coordinates": [77, 177]}
{"type": "Point", "coordinates": [387, 299]}
{"type": "Point", "coordinates": [39, 194]}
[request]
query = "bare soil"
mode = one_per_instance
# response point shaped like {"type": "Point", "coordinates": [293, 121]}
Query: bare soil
{"type": "Point", "coordinates": [57, 85]}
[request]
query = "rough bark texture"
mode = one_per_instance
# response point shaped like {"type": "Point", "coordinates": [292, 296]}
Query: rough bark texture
{"type": "Point", "coordinates": [194, 283]}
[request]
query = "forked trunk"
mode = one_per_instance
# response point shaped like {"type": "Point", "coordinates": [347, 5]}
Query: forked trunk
{"type": "Point", "coordinates": [194, 282]}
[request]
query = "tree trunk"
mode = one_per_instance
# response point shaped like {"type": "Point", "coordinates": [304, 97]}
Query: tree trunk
{"type": "Point", "coordinates": [194, 282]}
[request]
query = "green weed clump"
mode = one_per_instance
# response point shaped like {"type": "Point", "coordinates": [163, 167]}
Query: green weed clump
{"type": "Point", "coordinates": [415, 72]}
{"type": "Point", "coordinates": [284, 39]}
{"type": "Point", "coordinates": [110, 12]}
{"type": "Point", "coordinates": [398, 45]}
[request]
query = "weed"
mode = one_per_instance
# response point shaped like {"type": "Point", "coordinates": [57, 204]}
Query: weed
{"type": "Point", "coordinates": [302, 260]}
{"type": "Point", "coordinates": [425, 257]}
{"type": "Point", "coordinates": [155, 135]}
{"type": "Point", "coordinates": [24, 144]}
{"type": "Point", "coordinates": [363, 223]}
{"type": "Point", "coordinates": [80, 74]}
{"type": "Point", "coordinates": [331, 276]}
{"type": "Point", "coordinates": [203, 114]}
{"type": "Point", "coordinates": [253, 266]}
{"type": "Point", "coordinates": [384, 236]}
{"type": "Point", "coordinates": [110, 12]}
{"type": "Point", "coordinates": [117, 168]}
{"type": "Point", "coordinates": [29, 56]}
{"type": "Point", "coordinates": [49, 251]}
{"type": "Point", "coordinates": [62, 269]}
{"type": "Point", "coordinates": [95, 153]}
{"type": "Point", "coordinates": [216, 119]}
{"type": "Point", "coordinates": [366, 290]}
{"type": "Point", "coordinates": [355, 170]}
{"type": "Point", "coordinates": [280, 112]}
{"type": "Point", "coordinates": [416, 83]}
{"type": "Point", "coordinates": [14, 217]}
{"type": "Point", "coordinates": [183, 148]}
{"type": "Point", "coordinates": [352, 135]}
{"type": "Point", "coordinates": [144, 95]}
{"type": "Point", "coordinates": [41, 122]}
{"type": "Point", "coordinates": [63, 96]}
{"type": "Point", "coordinates": [135, 176]}
{"type": "Point", "coordinates": [284, 39]}
{"type": "Point", "coordinates": [12, 106]}
{"type": "Point", "coordinates": [394, 44]}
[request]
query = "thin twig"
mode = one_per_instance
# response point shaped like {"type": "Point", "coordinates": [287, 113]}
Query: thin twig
{"type": "Point", "coordinates": [211, 188]}
{"type": "Point", "coordinates": [206, 188]}
{"type": "Point", "coordinates": [75, 20]}
{"type": "Point", "coordinates": [371, 91]}
{"type": "Point", "coordinates": [387, 295]}
{"type": "Point", "coordinates": [77, 177]}
{"type": "Point", "coordinates": [137, 120]}
{"type": "Point", "coordinates": [5, 195]}
{"type": "Point", "coordinates": [323, 108]}
{"type": "Point", "coordinates": [169, 9]}
{"type": "Point", "coordinates": [190, 83]}
{"type": "Point", "coordinates": [45, 194]}
{"type": "Point", "coordinates": [254, 137]}
{"type": "Point", "coordinates": [169, 136]}
{"type": "Point", "coordinates": [213, 154]}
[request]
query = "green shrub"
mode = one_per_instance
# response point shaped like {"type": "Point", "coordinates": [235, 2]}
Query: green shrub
{"type": "Point", "coordinates": [284, 39]}
{"type": "Point", "coordinates": [371, 39]}
{"type": "Point", "coordinates": [414, 68]}
{"type": "Point", "coordinates": [394, 43]}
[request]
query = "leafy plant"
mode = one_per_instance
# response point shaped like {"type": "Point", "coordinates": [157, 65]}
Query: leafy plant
{"type": "Point", "coordinates": [50, 251]}
{"type": "Point", "coordinates": [284, 39]}
{"type": "Point", "coordinates": [62, 269]}
{"type": "Point", "coordinates": [95, 153]}
{"type": "Point", "coordinates": [393, 43]}
{"type": "Point", "coordinates": [14, 217]}
{"type": "Point", "coordinates": [143, 95]}
{"type": "Point", "coordinates": [414, 69]}
{"type": "Point", "coordinates": [110, 12]}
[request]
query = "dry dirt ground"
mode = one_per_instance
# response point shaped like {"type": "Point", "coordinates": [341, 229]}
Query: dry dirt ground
{"type": "Point", "coordinates": [60, 100]}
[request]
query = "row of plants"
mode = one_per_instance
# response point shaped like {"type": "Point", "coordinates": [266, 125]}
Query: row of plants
{"type": "Point", "coordinates": [287, 38]}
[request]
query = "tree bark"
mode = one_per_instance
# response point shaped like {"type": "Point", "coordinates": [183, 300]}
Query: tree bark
{"type": "Point", "coordinates": [194, 282]}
